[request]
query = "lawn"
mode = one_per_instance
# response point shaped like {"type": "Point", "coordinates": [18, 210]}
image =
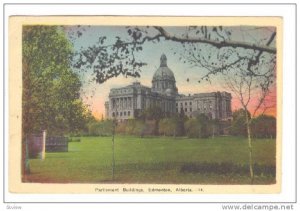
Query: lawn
{"type": "Point", "coordinates": [162, 160]}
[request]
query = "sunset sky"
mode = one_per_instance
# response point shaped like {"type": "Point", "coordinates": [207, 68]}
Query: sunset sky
{"type": "Point", "coordinates": [95, 94]}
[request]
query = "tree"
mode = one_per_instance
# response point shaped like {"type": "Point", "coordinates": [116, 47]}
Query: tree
{"type": "Point", "coordinates": [192, 128]}
{"type": "Point", "coordinates": [140, 128]}
{"type": "Point", "coordinates": [214, 125]}
{"type": "Point", "coordinates": [264, 126]}
{"type": "Point", "coordinates": [251, 90]}
{"type": "Point", "coordinates": [198, 127]}
{"type": "Point", "coordinates": [168, 126]}
{"type": "Point", "coordinates": [203, 123]}
{"type": "Point", "coordinates": [238, 125]}
{"type": "Point", "coordinates": [110, 59]}
{"type": "Point", "coordinates": [163, 126]}
{"type": "Point", "coordinates": [153, 113]}
{"type": "Point", "coordinates": [180, 123]}
{"type": "Point", "coordinates": [51, 90]}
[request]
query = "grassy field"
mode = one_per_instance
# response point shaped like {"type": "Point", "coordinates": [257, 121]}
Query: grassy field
{"type": "Point", "coordinates": [155, 160]}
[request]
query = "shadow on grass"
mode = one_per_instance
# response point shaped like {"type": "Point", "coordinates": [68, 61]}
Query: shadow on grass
{"type": "Point", "coordinates": [227, 169]}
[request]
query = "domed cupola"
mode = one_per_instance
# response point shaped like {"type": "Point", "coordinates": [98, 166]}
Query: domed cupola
{"type": "Point", "coordinates": [163, 78]}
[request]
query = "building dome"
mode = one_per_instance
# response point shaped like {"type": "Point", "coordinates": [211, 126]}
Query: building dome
{"type": "Point", "coordinates": [163, 72]}
{"type": "Point", "coordinates": [163, 78]}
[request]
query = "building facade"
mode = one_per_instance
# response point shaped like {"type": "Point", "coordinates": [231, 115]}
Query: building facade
{"type": "Point", "coordinates": [129, 101]}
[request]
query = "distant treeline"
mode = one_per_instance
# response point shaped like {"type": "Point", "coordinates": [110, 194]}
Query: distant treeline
{"type": "Point", "coordinates": [263, 126]}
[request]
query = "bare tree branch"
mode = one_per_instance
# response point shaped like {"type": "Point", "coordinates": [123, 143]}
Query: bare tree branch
{"type": "Point", "coordinates": [217, 44]}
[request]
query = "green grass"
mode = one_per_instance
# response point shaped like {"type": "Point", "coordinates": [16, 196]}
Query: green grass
{"type": "Point", "coordinates": [151, 160]}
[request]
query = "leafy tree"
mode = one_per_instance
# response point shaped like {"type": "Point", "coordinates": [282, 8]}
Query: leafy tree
{"type": "Point", "coordinates": [198, 127]}
{"type": "Point", "coordinates": [203, 123]}
{"type": "Point", "coordinates": [130, 125]}
{"type": "Point", "coordinates": [163, 126]}
{"type": "Point", "coordinates": [153, 113]}
{"type": "Point", "coordinates": [51, 91]}
{"type": "Point", "coordinates": [180, 123]}
{"type": "Point", "coordinates": [238, 126]}
{"type": "Point", "coordinates": [192, 128]}
{"type": "Point", "coordinates": [140, 128]}
{"type": "Point", "coordinates": [214, 127]}
{"type": "Point", "coordinates": [168, 126]}
{"type": "Point", "coordinates": [264, 126]}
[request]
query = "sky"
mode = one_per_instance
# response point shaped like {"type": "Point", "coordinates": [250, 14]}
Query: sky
{"type": "Point", "coordinates": [95, 95]}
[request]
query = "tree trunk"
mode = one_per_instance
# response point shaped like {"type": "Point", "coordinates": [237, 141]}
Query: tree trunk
{"type": "Point", "coordinates": [249, 147]}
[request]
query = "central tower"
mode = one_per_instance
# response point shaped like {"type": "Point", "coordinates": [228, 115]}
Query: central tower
{"type": "Point", "coordinates": [163, 80]}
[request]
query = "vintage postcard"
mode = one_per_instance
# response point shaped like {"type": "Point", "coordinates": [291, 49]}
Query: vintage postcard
{"type": "Point", "coordinates": [145, 105]}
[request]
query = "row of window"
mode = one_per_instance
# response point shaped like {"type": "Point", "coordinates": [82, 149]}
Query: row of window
{"type": "Point", "coordinates": [190, 103]}
{"type": "Point", "coordinates": [121, 113]}
{"type": "Point", "coordinates": [185, 110]}
{"type": "Point", "coordinates": [181, 104]}
{"type": "Point", "coordinates": [163, 85]}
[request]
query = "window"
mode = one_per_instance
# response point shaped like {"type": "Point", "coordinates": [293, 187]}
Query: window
{"type": "Point", "coordinates": [181, 104]}
{"type": "Point", "coordinates": [185, 103]}
{"type": "Point", "coordinates": [120, 113]}
{"type": "Point", "coordinates": [190, 109]}
{"type": "Point", "coordinates": [190, 103]}
{"type": "Point", "coordinates": [128, 113]}
{"type": "Point", "coordinates": [113, 114]}
{"type": "Point", "coordinates": [176, 104]}
{"type": "Point", "coordinates": [117, 114]}
{"type": "Point", "coordinates": [185, 109]}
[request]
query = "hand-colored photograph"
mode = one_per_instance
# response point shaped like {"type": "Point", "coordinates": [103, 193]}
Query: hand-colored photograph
{"type": "Point", "coordinates": [149, 104]}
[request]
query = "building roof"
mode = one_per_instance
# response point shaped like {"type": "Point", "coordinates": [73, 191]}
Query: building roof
{"type": "Point", "coordinates": [163, 72]}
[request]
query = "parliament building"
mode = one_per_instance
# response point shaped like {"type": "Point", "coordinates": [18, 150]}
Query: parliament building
{"type": "Point", "coordinates": [129, 101]}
